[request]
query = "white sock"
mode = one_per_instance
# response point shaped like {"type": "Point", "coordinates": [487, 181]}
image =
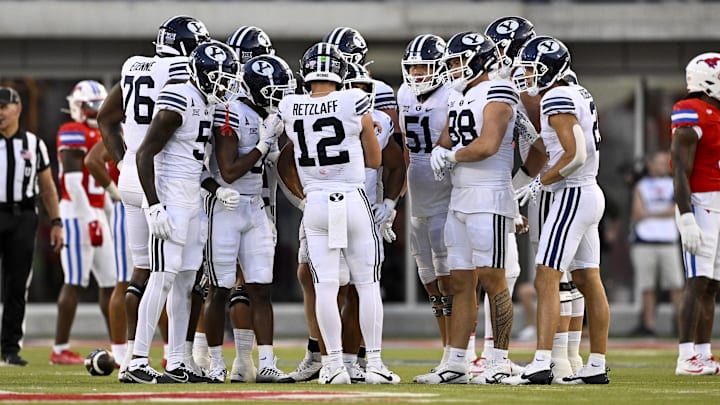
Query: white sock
{"type": "Point", "coordinates": [543, 358]}
{"type": "Point", "coordinates": [187, 350]}
{"type": "Point", "coordinates": [596, 360]}
{"type": "Point", "coordinates": [457, 356]}
{"type": "Point", "coordinates": [200, 344]}
{"type": "Point", "coordinates": [57, 349]}
{"type": "Point", "coordinates": [573, 343]}
{"type": "Point", "coordinates": [137, 362]}
{"type": "Point", "coordinates": [150, 308]}
{"type": "Point", "coordinates": [128, 354]}
{"type": "Point", "coordinates": [499, 354]}
{"type": "Point", "coordinates": [265, 356]}
{"type": "Point", "coordinates": [178, 310]}
{"type": "Point", "coordinates": [328, 318]}
{"type": "Point", "coordinates": [446, 355]}
{"type": "Point", "coordinates": [704, 350]}
{"type": "Point", "coordinates": [488, 347]}
{"type": "Point", "coordinates": [560, 346]}
{"type": "Point", "coordinates": [686, 350]}
{"type": "Point", "coordinates": [349, 359]}
{"type": "Point", "coordinates": [332, 360]}
{"type": "Point", "coordinates": [216, 357]}
{"type": "Point", "coordinates": [166, 351]}
{"type": "Point", "coordinates": [118, 351]}
{"type": "Point", "coordinates": [371, 315]}
{"type": "Point", "coordinates": [244, 339]}
{"type": "Point", "coordinates": [374, 359]}
{"type": "Point", "coordinates": [471, 348]}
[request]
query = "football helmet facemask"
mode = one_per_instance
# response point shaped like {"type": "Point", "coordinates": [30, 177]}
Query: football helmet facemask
{"type": "Point", "coordinates": [179, 35]}
{"type": "Point", "coordinates": [545, 60]}
{"type": "Point", "coordinates": [84, 101]}
{"type": "Point", "coordinates": [249, 42]}
{"type": "Point", "coordinates": [350, 43]}
{"type": "Point", "coordinates": [426, 50]}
{"type": "Point", "coordinates": [266, 79]}
{"type": "Point", "coordinates": [358, 74]}
{"type": "Point", "coordinates": [476, 54]}
{"type": "Point", "coordinates": [322, 61]}
{"type": "Point", "coordinates": [509, 34]}
{"type": "Point", "coordinates": [702, 74]}
{"type": "Point", "coordinates": [215, 69]}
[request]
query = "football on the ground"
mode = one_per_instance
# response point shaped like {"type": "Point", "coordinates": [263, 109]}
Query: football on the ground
{"type": "Point", "coordinates": [100, 362]}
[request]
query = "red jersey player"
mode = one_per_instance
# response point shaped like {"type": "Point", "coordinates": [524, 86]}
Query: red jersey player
{"type": "Point", "coordinates": [696, 174]}
{"type": "Point", "coordinates": [87, 234]}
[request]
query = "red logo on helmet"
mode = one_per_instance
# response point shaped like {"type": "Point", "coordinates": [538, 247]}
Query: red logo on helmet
{"type": "Point", "coordinates": [712, 62]}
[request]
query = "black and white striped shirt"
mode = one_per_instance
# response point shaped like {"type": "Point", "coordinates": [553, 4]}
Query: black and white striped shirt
{"type": "Point", "coordinates": [22, 157]}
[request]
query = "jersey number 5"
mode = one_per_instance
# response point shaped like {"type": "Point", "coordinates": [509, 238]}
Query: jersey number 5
{"type": "Point", "coordinates": [202, 138]}
{"type": "Point", "coordinates": [323, 158]}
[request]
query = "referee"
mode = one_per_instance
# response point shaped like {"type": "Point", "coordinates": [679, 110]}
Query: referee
{"type": "Point", "coordinates": [24, 165]}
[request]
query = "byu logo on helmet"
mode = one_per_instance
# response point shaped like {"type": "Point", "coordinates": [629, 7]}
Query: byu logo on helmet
{"type": "Point", "coordinates": [216, 53]}
{"type": "Point", "coordinates": [263, 68]}
{"type": "Point", "coordinates": [473, 39]}
{"type": "Point", "coordinates": [263, 39]}
{"type": "Point", "coordinates": [508, 26]}
{"type": "Point", "coordinates": [359, 41]}
{"type": "Point", "coordinates": [548, 46]}
{"type": "Point", "coordinates": [196, 27]}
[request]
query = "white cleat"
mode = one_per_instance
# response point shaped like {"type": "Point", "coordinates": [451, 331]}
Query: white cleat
{"type": "Point", "coordinates": [534, 374]}
{"type": "Point", "coordinates": [444, 374]}
{"type": "Point", "coordinates": [561, 369]}
{"type": "Point", "coordinates": [711, 363]}
{"type": "Point", "coordinates": [477, 366]}
{"type": "Point", "coordinates": [307, 370]}
{"type": "Point", "coordinates": [495, 371]}
{"type": "Point", "coordinates": [357, 374]}
{"type": "Point", "coordinates": [243, 370]}
{"type": "Point", "coordinates": [189, 362]}
{"type": "Point", "coordinates": [272, 374]}
{"type": "Point", "coordinates": [380, 375]}
{"type": "Point", "coordinates": [217, 375]}
{"type": "Point", "coordinates": [338, 375]}
{"type": "Point", "coordinates": [588, 375]}
{"type": "Point", "coordinates": [693, 366]}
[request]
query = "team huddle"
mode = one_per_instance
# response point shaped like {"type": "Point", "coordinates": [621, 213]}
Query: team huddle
{"type": "Point", "coordinates": [204, 132]}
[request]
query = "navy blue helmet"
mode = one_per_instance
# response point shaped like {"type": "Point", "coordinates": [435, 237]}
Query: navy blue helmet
{"type": "Point", "coordinates": [323, 61]}
{"type": "Point", "coordinates": [266, 79]}
{"type": "Point", "coordinates": [427, 50]}
{"type": "Point", "coordinates": [215, 69]}
{"type": "Point", "coordinates": [179, 35]}
{"type": "Point", "coordinates": [476, 54]}
{"type": "Point", "coordinates": [249, 42]}
{"type": "Point", "coordinates": [545, 60]}
{"type": "Point", "coordinates": [350, 43]}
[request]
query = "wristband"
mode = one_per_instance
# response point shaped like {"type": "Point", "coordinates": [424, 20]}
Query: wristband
{"type": "Point", "coordinates": [56, 222]}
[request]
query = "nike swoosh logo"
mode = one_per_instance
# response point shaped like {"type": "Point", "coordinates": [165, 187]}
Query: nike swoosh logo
{"type": "Point", "coordinates": [594, 365]}
{"type": "Point", "coordinates": [184, 378]}
{"type": "Point", "coordinates": [429, 109]}
{"type": "Point", "coordinates": [386, 377]}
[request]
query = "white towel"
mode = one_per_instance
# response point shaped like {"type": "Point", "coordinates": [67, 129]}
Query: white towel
{"type": "Point", "coordinates": [337, 221]}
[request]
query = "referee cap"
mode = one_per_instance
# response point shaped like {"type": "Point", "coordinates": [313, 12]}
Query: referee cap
{"type": "Point", "coordinates": [9, 96]}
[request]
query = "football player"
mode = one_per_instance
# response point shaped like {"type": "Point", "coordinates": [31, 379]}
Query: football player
{"type": "Point", "coordinates": [241, 143]}
{"type": "Point", "coordinates": [170, 162]}
{"type": "Point", "coordinates": [354, 49]}
{"type": "Point", "coordinates": [569, 239]}
{"type": "Point", "coordinates": [695, 153]}
{"type": "Point", "coordinates": [124, 121]}
{"type": "Point", "coordinates": [333, 137]}
{"type": "Point", "coordinates": [88, 246]}
{"type": "Point", "coordinates": [101, 167]}
{"type": "Point", "coordinates": [422, 101]}
{"type": "Point", "coordinates": [476, 150]}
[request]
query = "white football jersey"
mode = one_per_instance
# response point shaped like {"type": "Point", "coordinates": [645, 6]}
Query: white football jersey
{"type": "Point", "coordinates": [485, 185]}
{"type": "Point", "coordinates": [325, 132]}
{"type": "Point", "coordinates": [183, 155]}
{"type": "Point", "coordinates": [245, 122]}
{"type": "Point", "coordinates": [141, 79]}
{"type": "Point", "coordinates": [373, 182]}
{"type": "Point", "coordinates": [578, 101]}
{"type": "Point", "coordinates": [384, 96]}
{"type": "Point", "coordinates": [422, 124]}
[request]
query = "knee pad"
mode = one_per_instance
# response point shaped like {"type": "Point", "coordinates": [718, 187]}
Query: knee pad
{"type": "Point", "coordinates": [447, 305]}
{"type": "Point", "coordinates": [135, 289]}
{"type": "Point", "coordinates": [239, 295]}
{"type": "Point", "coordinates": [437, 306]}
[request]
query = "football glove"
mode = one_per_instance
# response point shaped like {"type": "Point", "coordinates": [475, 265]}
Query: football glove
{"type": "Point", "coordinates": [690, 232]}
{"type": "Point", "coordinates": [440, 157]}
{"type": "Point", "coordinates": [520, 180]}
{"type": "Point", "coordinates": [96, 235]}
{"type": "Point", "coordinates": [521, 224]}
{"type": "Point", "coordinates": [386, 229]}
{"type": "Point", "coordinates": [159, 221]}
{"type": "Point", "coordinates": [228, 197]}
{"type": "Point", "coordinates": [383, 211]}
{"type": "Point", "coordinates": [270, 131]}
{"type": "Point", "coordinates": [528, 192]}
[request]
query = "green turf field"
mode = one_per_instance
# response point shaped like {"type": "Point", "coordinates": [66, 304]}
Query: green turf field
{"type": "Point", "coordinates": [637, 375]}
